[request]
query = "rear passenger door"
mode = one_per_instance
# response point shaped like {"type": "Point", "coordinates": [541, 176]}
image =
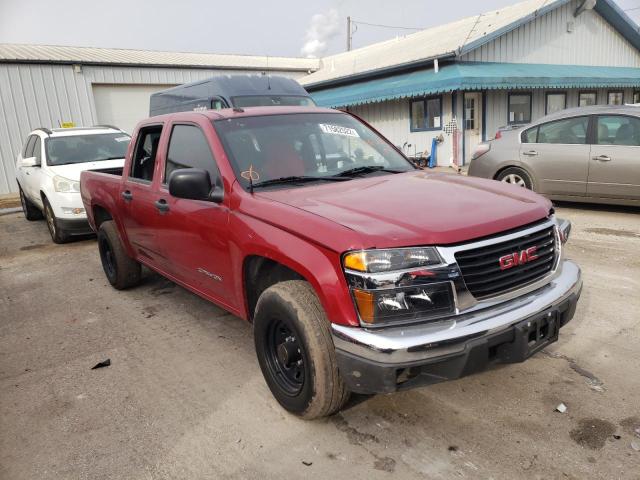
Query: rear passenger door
{"type": "Point", "coordinates": [193, 233]}
{"type": "Point", "coordinates": [614, 168]}
{"type": "Point", "coordinates": [557, 153]}
{"type": "Point", "coordinates": [138, 194]}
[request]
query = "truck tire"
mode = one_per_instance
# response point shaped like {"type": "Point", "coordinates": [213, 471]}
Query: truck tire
{"type": "Point", "coordinates": [516, 176]}
{"type": "Point", "coordinates": [295, 351]}
{"type": "Point", "coordinates": [57, 234]}
{"type": "Point", "coordinates": [31, 212]}
{"type": "Point", "coordinates": [121, 270]}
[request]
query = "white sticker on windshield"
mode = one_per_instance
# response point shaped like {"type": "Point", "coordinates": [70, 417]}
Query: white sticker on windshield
{"type": "Point", "coordinates": [338, 130]}
{"type": "Point", "coordinates": [123, 139]}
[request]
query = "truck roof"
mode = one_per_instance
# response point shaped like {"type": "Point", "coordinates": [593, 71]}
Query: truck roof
{"type": "Point", "coordinates": [244, 112]}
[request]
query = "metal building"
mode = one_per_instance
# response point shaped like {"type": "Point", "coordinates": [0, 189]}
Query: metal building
{"type": "Point", "coordinates": [462, 81]}
{"type": "Point", "coordinates": [45, 86]}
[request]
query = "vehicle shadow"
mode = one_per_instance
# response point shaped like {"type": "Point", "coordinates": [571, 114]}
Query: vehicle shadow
{"type": "Point", "coordinates": [600, 207]}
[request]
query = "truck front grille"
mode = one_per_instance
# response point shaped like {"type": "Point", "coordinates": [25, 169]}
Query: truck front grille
{"type": "Point", "coordinates": [485, 276]}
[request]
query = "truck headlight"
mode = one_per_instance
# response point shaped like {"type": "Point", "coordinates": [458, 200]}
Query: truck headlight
{"type": "Point", "coordinates": [400, 285]}
{"type": "Point", "coordinates": [373, 261]}
{"type": "Point", "coordinates": [65, 185]}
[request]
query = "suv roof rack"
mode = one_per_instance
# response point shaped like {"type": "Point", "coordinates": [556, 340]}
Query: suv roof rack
{"type": "Point", "coordinates": [108, 126]}
{"type": "Point", "coordinates": [45, 130]}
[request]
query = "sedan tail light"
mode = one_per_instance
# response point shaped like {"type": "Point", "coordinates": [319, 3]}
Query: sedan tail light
{"type": "Point", "coordinates": [480, 150]}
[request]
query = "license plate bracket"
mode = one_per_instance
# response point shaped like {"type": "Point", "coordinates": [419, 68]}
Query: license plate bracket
{"type": "Point", "coordinates": [531, 336]}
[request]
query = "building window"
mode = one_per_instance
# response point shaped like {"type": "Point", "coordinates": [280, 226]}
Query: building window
{"type": "Point", "coordinates": [555, 102]}
{"type": "Point", "coordinates": [469, 113]}
{"type": "Point", "coordinates": [615, 98]}
{"type": "Point", "coordinates": [519, 108]}
{"type": "Point", "coordinates": [426, 114]}
{"type": "Point", "coordinates": [587, 99]}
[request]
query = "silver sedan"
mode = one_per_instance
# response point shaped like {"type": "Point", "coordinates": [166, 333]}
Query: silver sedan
{"type": "Point", "coordinates": [587, 154]}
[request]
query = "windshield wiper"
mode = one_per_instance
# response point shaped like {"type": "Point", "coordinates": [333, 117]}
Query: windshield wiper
{"type": "Point", "coordinates": [295, 179]}
{"type": "Point", "coordinates": [366, 169]}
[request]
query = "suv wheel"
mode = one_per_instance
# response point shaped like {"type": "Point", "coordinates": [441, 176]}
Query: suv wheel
{"type": "Point", "coordinates": [57, 234]}
{"type": "Point", "coordinates": [31, 212]}
{"type": "Point", "coordinates": [121, 270]}
{"type": "Point", "coordinates": [516, 176]}
{"type": "Point", "coordinates": [295, 350]}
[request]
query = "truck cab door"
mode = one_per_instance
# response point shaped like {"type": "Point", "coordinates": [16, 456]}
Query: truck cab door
{"type": "Point", "coordinates": [558, 156]}
{"type": "Point", "coordinates": [138, 193]}
{"type": "Point", "coordinates": [193, 234]}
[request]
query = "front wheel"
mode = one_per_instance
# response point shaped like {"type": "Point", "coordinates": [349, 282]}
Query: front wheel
{"type": "Point", "coordinates": [295, 351]}
{"type": "Point", "coordinates": [516, 176]}
{"type": "Point", "coordinates": [57, 234]}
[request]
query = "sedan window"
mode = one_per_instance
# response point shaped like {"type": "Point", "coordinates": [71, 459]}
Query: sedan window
{"type": "Point", "coordinates": [618, 130]}
{"type": "Point", "coordinates": [566, 131]}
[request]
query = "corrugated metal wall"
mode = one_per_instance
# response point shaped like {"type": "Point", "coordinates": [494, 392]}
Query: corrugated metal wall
{"type": "Point", "coordinates": [392, 120]}
{"type": "Point", "coordinates": [593, 41]}
{"type": "Point", "coordinates": [34, 95]}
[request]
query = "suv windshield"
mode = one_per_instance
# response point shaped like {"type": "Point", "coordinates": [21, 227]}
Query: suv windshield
{"type": "Point", "coordinates": [86, 148]}
{"type": "Point", "coordinates": [316, 145]}
{"type": "Point", "coordinates": [272, 100]}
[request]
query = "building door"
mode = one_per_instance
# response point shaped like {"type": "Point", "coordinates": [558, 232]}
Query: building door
{"type": "Point", "coordinates": [123, 105]}
{"type": "Point", "coordinates": [472, 123]}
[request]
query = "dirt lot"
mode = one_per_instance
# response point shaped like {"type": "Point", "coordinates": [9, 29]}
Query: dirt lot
{"type": "Point", "coordinates": [184, 397]}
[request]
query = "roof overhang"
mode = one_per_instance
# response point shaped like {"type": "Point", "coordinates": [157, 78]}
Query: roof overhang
{"type": "Point", "coordinates": [466, 76]}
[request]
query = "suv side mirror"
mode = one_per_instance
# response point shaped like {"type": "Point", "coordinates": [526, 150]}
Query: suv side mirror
{"type": "Point", "coordinates": [193, 184]}
{"type": "Point", "coordinates": [30, 162]}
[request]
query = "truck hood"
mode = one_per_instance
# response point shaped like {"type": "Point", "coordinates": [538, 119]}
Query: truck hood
{"type": "Point", "coordinates": [72, 171]}
{"type": "Point", "coordinates": [416, 208]}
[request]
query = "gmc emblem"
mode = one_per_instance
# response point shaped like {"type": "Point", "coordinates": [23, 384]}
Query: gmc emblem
{"type": "Point", "coordinates": [518, 258]}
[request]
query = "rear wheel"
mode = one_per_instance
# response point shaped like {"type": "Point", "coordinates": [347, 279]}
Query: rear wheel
{"type": "Point", "coordinates": [295, 350]}
{"type": "Point", "coordinates": [31, 212]}
{"type": "Point", "coordinates": [516, 176]}
{"type": "Point", "coordinates": [121, 270]}
{"type": "Point", "coordinates": [57, 234]}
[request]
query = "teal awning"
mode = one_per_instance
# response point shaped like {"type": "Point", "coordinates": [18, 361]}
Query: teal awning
{"type": "Point", "coordinates": [477, 76]}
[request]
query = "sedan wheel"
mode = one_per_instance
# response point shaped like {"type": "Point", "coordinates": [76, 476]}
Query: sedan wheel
{"type": "Point", "coordinates": [514, 179]}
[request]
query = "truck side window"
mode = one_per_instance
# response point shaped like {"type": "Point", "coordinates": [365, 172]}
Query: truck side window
{"type": "Point", "coordinates": [37, 150]}
{"type": "Point", "coordinates": [144, 156]}
{"type": "Point", "coordinates": [188, 148]}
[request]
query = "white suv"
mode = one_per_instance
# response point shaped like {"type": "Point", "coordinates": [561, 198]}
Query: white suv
{"type": "Point", "coordinates": [48, 173]}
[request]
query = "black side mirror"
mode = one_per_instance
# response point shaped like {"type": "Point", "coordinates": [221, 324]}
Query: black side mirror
{"type": "Point", "coordinates": [194, 184]}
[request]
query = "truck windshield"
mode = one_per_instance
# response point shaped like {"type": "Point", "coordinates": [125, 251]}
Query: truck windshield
{"type": "Point", "coordinates": [320, 145]}
{"type": "Point", "coordinates": [86, 148]}
{"type": "Point", "coordinates": [272, 100]}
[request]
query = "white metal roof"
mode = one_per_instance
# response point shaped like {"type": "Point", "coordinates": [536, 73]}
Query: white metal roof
{"type": "Point", "coordinates": [436, 42]}
{"type": "Point", "coordinates": [116, 56]}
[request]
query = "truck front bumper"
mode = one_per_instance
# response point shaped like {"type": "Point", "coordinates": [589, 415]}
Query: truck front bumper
{"type": "Point", "coordinates": [391, 359]}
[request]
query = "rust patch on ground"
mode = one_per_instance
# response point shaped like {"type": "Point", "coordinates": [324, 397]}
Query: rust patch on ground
{"type": "Point", "coordinates": [592, 433]}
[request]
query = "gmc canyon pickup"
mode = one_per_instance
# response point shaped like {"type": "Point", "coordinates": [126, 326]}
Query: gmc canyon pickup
{"type": "Point", "coordinates": [360, 272]}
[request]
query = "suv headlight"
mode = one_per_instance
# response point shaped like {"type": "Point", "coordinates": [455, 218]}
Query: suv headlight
{"type": "Point", "coordinates": [400, 285]}
{"type": "Point", "coordinates": [65, 185]}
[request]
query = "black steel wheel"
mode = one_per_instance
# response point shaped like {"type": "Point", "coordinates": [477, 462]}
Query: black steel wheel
{"type": "Point", "coordinates": [295, 350]}
{"type": "Point", "coordinates": [121, 270]}
{"type": "Point", "coordinates": [285, 357]}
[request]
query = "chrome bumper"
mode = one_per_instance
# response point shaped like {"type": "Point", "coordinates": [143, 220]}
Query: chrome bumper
{"type": "Point", "coordinates": [401, 345]}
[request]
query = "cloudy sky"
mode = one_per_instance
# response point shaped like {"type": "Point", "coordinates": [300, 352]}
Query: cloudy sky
{"type": "Point", "coordinates": [281, 27]}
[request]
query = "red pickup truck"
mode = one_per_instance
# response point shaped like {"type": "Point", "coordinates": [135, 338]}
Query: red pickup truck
{"type": "Point", "coordinates": [359, 271]}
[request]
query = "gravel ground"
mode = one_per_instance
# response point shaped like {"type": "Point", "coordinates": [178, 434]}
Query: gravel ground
{"type": "Point", "coordinates": [184, 397]}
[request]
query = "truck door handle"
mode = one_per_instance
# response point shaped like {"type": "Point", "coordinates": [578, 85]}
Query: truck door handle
{"type": "Point", "coordinates": [127, 195]}
{"type": "Point", "coordinates": [602, 158]}
{"type": "Point", "coordinates": [162, 205]}
{"type": "Point", "coordinates": [530, 153]}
